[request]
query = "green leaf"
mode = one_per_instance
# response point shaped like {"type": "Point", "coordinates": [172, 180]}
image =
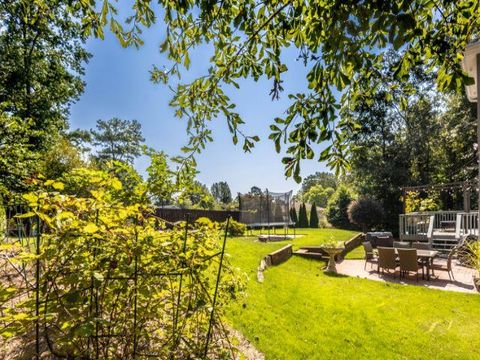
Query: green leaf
{"type": "Point", "coordinates": [90, 228]}
{"type": "Point", "coordinates": [98, 276]}
{"type": "Point", "coordinates": [58, 185]}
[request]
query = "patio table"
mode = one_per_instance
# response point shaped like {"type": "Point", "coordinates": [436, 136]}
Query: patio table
{"type": "Point", "coordinates": [427, 257]}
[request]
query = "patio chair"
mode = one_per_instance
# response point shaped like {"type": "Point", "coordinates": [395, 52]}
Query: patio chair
{"type": "Point", "coordinates": [370, 256]}
{"type": "Point", "coordinates": [409, 262]}
{"type": "Point", "coordinates": [422, 246]}
{"type": "Point", "coordinates": [401, 244]}
{"type": "Point", "coordinates": [387, 259]}
{"type": "Point", "coordinates": [446, 267]}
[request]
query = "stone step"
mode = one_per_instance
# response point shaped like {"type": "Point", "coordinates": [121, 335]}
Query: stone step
{"type": "Point", "coordinates": [313, 249]}
{"type": "Point", "coordinates": [310, 254]}
{"type": "Point", "coordinates": [443, 247]}
{"type": "Point", "coordinates": [444, 235]}
{"type": "Point", "coordinates": [455, 241]}
{"type": "Point", "coordinates": [446, 242]}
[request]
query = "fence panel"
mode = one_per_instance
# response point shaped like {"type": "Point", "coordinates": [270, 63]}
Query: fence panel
{"type": "Point", "coordinates": [175, 215]}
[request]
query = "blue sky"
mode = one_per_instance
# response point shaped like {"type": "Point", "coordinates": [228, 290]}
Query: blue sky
{"type": "Point", "coordinates": [118, 85]}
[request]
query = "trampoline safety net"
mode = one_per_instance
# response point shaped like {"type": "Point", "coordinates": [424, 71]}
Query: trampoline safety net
{"type": "Point", "coordinates": [267, 209]}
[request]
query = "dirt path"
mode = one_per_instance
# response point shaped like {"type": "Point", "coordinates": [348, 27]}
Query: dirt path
{"type": "Point", "coordinates": [245, 348]}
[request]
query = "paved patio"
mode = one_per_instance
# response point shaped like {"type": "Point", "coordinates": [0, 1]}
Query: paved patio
{"type": "Point", "coordinates": [463, 276]}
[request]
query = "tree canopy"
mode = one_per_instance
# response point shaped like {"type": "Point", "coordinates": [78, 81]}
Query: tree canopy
{"type": "Point", "coordinates": [336, 211]}
{"type": "Point", "coordinates": [221, 192]}
{"type": "Point", "coordinates": [255, 190]}
{"type": "Point", "coordinates": [42, 57]}
{"type": "Point", "coordinates": [118, 139]}
{"type": "Point", "coordinates": [200, 197]}
{"type": "Point", "coordinates": [325, 179]}
{"type": "Point", "coordinates": [16, 160]}
{"type": "Point", "coordinates": [341, 43]}
{"type": "Point", "coordinates": [302, 216]}
{"type": "Point", "coordinates": [318, 195]}
{"type": "Point", "coordinates": [313, 216]}
{"type": "Point", "coordinates": [429, 142]}
{"type": "Point", "coordinates": [41, 63]}
{"type": "Point", "coordinates": [166, 184]}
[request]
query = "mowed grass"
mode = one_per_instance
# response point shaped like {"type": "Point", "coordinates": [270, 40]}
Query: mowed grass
{"type": "Point", "coordinates": [300, 312]}
{"type": "Point", "coordinates": [309, 236]}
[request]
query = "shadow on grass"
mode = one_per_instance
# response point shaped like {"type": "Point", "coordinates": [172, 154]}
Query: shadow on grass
{"type": "Point", "coordinates": [334, 274]}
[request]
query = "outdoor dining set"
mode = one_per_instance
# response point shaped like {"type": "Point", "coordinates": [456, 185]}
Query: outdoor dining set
{"type": "Point", "coordinates": [408, 258]}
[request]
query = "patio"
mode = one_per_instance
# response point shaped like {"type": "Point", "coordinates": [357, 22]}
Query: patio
{"type": "Point", "coordinates": [463, 276]}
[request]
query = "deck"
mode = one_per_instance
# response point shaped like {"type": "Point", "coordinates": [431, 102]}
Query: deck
{"type": "Point", "coordinates": [443, 229]}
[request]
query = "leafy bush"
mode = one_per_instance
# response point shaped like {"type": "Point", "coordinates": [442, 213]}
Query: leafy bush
{"type": "Point", "coordinates": [324, 224]}
{"type": "Point", "coordinates": [474, 248]}
{"type": "Point", "coordinates": [236, 228]}
{"type": "Point", "coordinates": [204, 221]}
{"type": "Point", "coordinates": [336, 210]}
{"type": "Point", "coordinates": [313, 216]}
{"type": "Point", "coordinates": [414, 202]}
{"type": "Point", "coordinates": [100, 260]}
{"type": "Point", "coordinates": [302, 217]}
{"type": "Point", "coordinates": [365, 212]}
{"type": "Point", "coordinates": [464, 252]}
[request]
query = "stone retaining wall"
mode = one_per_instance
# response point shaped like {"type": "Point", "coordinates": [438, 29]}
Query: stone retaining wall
{"type": "Point", "coordinates": [351, 244]}
{"type": "Point", "coordinates": [274, 258]}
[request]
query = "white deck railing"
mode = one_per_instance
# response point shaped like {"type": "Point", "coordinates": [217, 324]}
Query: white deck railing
{"type": "Point", "coordinates": [466, 224]}
{"type": "Point", "coordinates": [421, 226]}
{"type": "Point", "coordinates": [416, 226]}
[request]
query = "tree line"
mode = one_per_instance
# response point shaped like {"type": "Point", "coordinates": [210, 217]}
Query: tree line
{"type": "Point", "coordinates": [389, 127]}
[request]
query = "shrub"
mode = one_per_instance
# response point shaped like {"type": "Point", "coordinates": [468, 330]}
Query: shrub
{"type": "Point", "coordinates": [336, 210]}
{"type": "Point", "coordinates": [414, 202]}
{"type": "Point", "coordinates": [236, 228]}
{"type": "Point", "coordinates": [204, 221]}
{"type": "Point", "coordinates": [100, 261]}
{"type": "Point", "coordinates": [313, 216]}
{"type": "Point", "coordinates": [474, 248]}
{"type": "Point", "coordinates": [474, 261]}
{"type": "Point", "coordinates": [464, 252]}
{"type": "Point", "coordinates": [324, 224]}
{"type": "Point", "coordinates": [302, 217]}
{"type": "Point", "coordinates": [293, 215]}
{"type": "Point", "coordinates": [365, 212]}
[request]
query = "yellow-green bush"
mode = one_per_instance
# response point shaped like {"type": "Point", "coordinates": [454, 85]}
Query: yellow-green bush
{"type": "Point", "coordinates": [99, 261]}
{"type": "Point", "coordinates": [204, 221]}
{"type": "Point", "coordinates": [236, 228]}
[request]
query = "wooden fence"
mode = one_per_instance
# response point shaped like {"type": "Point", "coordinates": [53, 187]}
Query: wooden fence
{"type": "Point", "coordinates": [174, 215]}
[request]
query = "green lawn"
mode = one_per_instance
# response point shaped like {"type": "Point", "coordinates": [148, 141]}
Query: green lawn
{"type": "Point", "coordinates": [310, 236]}
{"type": "Point", "coordinates": [299, 312]}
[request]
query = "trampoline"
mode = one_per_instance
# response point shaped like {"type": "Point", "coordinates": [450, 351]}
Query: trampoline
{"type": "Point", "coordinates": [268, 210]}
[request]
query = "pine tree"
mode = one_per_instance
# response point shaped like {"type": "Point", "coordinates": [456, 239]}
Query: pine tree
{"type": "Point", "coordinates": [293, 215]}
{"type": "Point", "coordinates": [302, 217]}
{"type": "Point", "coordinates": [313, 216]}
